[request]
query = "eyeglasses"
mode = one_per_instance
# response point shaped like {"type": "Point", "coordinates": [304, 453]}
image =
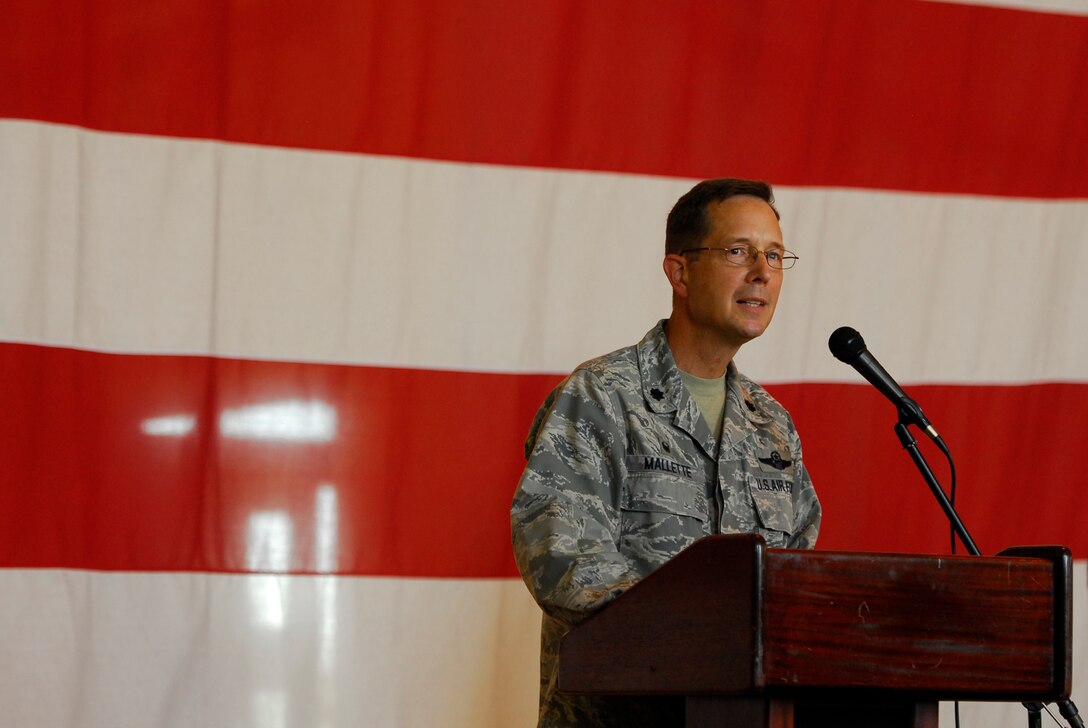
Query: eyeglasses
{"type": "Point", "coordinates": [744, 255]}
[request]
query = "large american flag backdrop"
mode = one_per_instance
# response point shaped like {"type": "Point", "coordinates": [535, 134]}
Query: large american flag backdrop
{"type": "Point", "coordinates": [282, 285]}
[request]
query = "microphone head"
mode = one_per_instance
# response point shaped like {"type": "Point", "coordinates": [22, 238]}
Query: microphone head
{"type": "Point", "coordinates": [846, 344]}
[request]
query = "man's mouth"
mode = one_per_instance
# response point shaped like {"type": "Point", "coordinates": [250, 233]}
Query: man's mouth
{"type": "Point", "coordinates": [752, 302]}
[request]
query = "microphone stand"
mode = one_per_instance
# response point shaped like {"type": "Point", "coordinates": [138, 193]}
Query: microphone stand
{"type": "Point", "coordinates": [911, 446]}
{"type": "Point", "coordinates": [1065, 707]}
{"type": "Point", "coordinates": [1035, 714]}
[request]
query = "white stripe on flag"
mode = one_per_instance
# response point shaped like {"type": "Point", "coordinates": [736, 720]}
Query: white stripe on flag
{"type": "Point", "coordinates": [109, 650]}
{"type": "Point", "coordinates": [112, 650]}
{"type": "Point", "coordinates": [176, 246]}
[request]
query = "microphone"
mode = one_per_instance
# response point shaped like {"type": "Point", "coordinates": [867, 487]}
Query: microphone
{"type": "Point", "coordinates": [848, 346]}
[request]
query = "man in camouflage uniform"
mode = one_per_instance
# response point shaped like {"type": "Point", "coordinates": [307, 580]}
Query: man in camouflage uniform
{"type": "Point", "coordinates": [640, 452]}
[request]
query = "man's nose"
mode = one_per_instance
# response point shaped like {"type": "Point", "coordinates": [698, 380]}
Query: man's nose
{"type": "Point", "coordinates": [760, 268]}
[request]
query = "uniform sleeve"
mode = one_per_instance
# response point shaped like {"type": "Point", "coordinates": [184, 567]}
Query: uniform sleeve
{"type": "Point", "coordinates": [806, 509]}
{"type": "Point", "coordinates": [565, 514]}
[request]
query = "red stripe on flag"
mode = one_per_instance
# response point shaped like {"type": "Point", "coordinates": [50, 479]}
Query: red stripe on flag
{"type": "Point", "coordinates": [897, 94]}
{"type": "Point", "coordinates": [136, 462]}
{"type": "Point", "coordinates": [179, 463]}
{"type": "Point", "coordinates": [1014, 448]}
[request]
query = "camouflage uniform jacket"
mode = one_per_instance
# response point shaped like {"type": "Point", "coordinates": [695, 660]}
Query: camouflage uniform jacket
{"type": "Point", "coordinates": [621, 476]}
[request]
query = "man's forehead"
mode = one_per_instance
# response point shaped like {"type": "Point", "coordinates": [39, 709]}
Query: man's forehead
{"type": "Point", "coordinates": [744, 218]}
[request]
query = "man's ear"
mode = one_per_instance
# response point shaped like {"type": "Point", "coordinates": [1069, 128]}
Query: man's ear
{"type": "Point", "coordinates": [676, 270]}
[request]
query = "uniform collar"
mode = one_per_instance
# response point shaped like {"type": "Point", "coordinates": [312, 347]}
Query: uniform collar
{"type": "Point", "coordinates": [739, 389]}
{"type": "Point", "coordinates": [664, 391]}
{"type": "Point", "coordinates": [662, 387]}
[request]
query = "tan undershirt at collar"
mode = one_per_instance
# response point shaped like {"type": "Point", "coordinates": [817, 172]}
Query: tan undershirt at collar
{"type": "Point", "coordinates": [709, 394]}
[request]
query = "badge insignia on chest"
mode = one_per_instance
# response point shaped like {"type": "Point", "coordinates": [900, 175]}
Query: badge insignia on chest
{"type": "Point", "coordinates": [775, 461]}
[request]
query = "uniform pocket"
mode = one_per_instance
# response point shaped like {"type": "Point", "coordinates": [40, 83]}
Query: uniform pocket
{"type": "Point", "coordinates": [647, 492]}
{"type": "Point", "coordinates": [661, 516]}
{"type": "Point", "coordinates": [773, 498]}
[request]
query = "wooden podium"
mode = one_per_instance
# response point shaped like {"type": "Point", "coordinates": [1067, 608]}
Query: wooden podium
{"type": "Point", "coordinates": [755, 636]}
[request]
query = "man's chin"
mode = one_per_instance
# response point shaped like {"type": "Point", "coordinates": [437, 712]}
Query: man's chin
{"type": "Point", "coordinates": [737, 338]}
{"type": "Point", "coordinates": [747, 333]}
